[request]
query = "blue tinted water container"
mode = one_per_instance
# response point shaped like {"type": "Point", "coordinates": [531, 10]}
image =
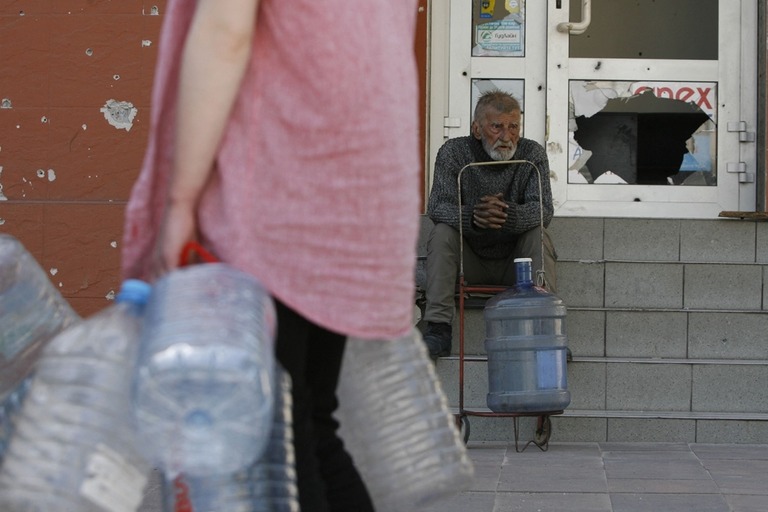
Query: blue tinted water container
{"type": "Point", "coordinates": [526, 344]}
{"type": "Point", "coordinates": [203, 392]}
{"type": "Point", "coordinates": [32, 312]}
{"type": "Point", "coordinates": [74, 448]}
{"type": "Point", "coordinates": [268, 485]}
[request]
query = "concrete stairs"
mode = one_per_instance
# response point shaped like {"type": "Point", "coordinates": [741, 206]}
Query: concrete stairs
{"type": "Point", "coordinates": [668, 325]}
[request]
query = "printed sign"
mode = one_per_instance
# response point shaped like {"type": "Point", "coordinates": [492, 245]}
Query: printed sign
{"type": "Point", "coordinates": [499, 28]}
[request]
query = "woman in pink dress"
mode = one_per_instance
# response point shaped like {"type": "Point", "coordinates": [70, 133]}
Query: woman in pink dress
{"type": "Point", "coordinates": [284, 138]}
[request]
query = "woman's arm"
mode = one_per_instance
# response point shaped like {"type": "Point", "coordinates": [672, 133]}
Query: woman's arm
{"type": "Point", "coordinates": [215, 56]}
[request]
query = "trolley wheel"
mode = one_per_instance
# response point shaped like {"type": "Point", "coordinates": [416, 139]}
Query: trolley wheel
{"type": "Point", "coordinates": [543, 431]}
{"type": "Point", "coordinates": [464, 428]}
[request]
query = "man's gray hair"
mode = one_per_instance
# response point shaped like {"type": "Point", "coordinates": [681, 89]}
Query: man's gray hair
{"type": "Point", "coordinates": [501, 101]}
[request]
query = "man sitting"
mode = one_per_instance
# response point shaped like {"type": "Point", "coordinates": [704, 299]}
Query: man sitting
{"type": "Point", "coordinates": [500, 212]}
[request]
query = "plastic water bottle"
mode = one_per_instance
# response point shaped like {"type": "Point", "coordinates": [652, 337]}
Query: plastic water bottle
{"type": "Point", "coordinates": [203, 385]}
{"type": "Point", "coordinates": [273, 477]}
{"type": "Point", "coordinates": [32, 311]}
{"type": "Point", "coordinates": [269, 485]}
{"type": "Point", "coordinates": [396, 424]}
{"type": "Point", "coordinates": [526, 344]}
{"type": "Point", "coordinates": [74, 448]}
{"type": "Point", "coordinates": [8, 409]}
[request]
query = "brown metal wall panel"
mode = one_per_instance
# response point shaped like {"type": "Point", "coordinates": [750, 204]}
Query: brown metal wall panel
{"type": "Point", "coordinates": [66, 166]}
{"type": "Point", "coordinates": [25, 53]}
{"type": "Point", "coordinates": [106, 52]}
{"type": "Point", "coordinates": [81, 248]}
{"type": "Point", "coordinates": [26, 221]}
{"type": "Point", "coordinates": [96, 7]}
{"type": "Point", "coordinates": [93, 160]}
{"type": "Point", "coordinates": [24, 150]}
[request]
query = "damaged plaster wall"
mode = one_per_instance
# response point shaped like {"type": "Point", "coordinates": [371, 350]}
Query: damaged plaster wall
{"type": "Point", "coordinates": [75, 89]}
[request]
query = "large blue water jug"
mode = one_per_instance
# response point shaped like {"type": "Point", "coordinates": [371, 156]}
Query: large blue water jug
{"type": "Point", "coordinates": [526, 344]}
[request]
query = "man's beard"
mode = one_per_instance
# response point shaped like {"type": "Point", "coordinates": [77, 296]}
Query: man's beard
{"type": "Point", "coordinates": [499, 154]}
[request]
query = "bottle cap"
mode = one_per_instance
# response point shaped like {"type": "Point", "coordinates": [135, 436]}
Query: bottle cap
{"type": "Point", "coordinates": [523, 271]}
{"type": "Point", "coordinates": [134, 291]}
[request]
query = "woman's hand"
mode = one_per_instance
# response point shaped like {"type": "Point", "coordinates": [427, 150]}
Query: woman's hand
{"type": "Point", "coordinates": [179, 227]}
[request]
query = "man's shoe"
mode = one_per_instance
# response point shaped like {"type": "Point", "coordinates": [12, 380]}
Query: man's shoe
{"type": "Point", "coordinates": [438, 337]}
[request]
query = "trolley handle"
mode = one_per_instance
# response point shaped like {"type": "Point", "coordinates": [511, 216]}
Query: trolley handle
{"type": "Point", "coordinates": [540, 274]}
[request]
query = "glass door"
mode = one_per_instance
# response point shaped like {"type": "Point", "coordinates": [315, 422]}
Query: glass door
{"type": "Point", "coordinates": [646, 108]}
{"type": "Point", "coordinates": [491, 46]}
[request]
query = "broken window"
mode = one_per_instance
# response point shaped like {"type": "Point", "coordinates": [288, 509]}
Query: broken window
{"type": "Point", "coordinates": [644, 133]}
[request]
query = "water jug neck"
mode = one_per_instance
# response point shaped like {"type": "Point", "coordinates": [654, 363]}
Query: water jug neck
{"type": "Point", "coordinates": [523, 272]}
{"type": "Point", "coordinates": [134, 292]}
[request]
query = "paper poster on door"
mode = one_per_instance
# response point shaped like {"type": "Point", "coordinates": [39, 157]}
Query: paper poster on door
{"type": "Point", "coordinates": [498, 28]}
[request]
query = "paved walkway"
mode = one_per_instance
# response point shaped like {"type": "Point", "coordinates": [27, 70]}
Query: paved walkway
{"type": "Point", "coordinates": [615, 477]}
{"type": "Point", "coordinates": [605, 477]}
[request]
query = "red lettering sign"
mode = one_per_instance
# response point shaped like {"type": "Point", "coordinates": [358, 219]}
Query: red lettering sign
{"type": "Point", "coordinates": [700, 96]}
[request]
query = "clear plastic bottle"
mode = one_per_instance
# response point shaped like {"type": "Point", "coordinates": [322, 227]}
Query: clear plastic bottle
{"type": "Point", "coordinates": [74, 448]}
{"type": "Point", "coordinates": [32, 311]}
{"type": "Point", "coordinates": [396, 424]}
{"type": "Point", "coordinates": [9, 407]}
{"type": "Point", "coordinates": [269, 485]}
{"type": "Point", "coordinates": [273, 477]}
{"type": "Point", "coordinates": [203, 385]}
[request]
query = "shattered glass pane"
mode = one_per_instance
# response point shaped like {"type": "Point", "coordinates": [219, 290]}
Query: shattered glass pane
{"type": "Point", "coordinates": [644, 133]}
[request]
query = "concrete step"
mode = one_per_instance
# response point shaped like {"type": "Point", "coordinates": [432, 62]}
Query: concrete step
{"type": "Point", "coordinates": [692, 398]}
{"type": "Point", "coordinates": [649, 333]}
{"type": "Point", "coordinates": [625, 426]}
{"type": "Point", "coordinates": [666, 321]}
{"type": "Point", "coordinates": [632, 384]}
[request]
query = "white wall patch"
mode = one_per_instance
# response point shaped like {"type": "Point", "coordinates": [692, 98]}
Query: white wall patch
{"type": "Point", "coordinates": [119, 114]}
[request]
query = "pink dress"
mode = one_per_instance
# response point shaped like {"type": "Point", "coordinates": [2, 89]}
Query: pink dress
{"type": "Point", "coordinates": [316, 190]}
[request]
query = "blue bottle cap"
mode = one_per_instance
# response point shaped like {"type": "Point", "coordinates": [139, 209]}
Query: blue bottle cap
{"type": "Point", "coordinates": [134, 291]}
{"type": "Point", "coordinates": [523, 271]}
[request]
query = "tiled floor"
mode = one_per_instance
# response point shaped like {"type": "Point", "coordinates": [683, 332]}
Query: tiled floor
{"type": "Point", "coordinates": [615, 477]}
{"type": "Point", "coordinates": [605, 477]}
